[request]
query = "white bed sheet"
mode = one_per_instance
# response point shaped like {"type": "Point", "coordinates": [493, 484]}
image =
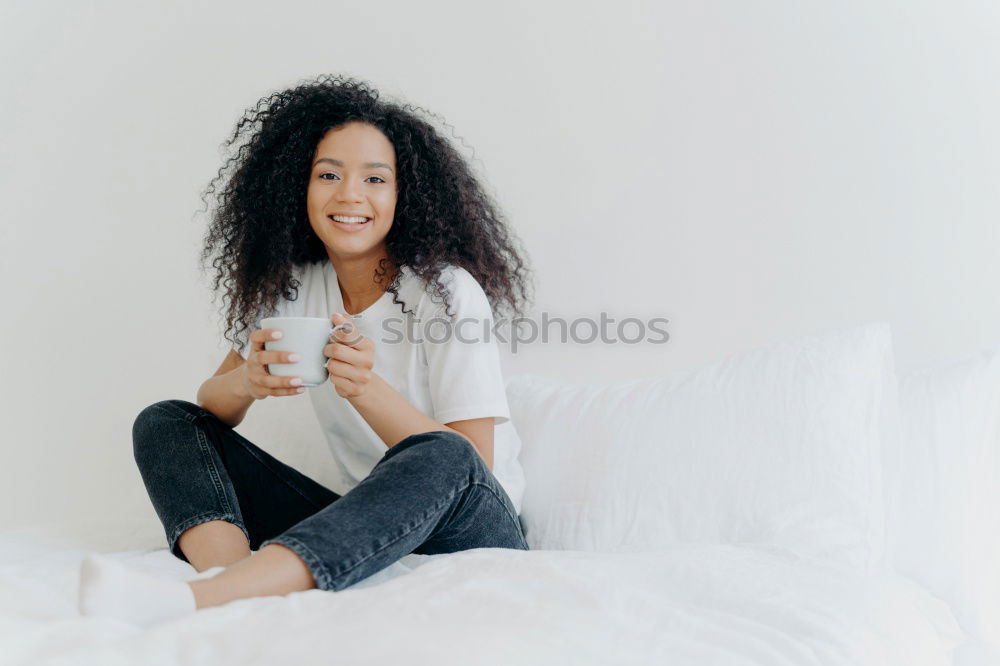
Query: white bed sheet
{"type": "Point", "coordinates": [697, 604]}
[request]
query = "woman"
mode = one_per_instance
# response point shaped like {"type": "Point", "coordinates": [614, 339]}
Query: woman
{"type": "Point", "coordinates": [345, 206]}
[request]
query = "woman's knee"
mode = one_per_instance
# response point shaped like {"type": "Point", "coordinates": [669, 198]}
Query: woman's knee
{"type": "Point", "coordinates": [443, 450]}
{"type": "Point", "coordinates": [151, 423]}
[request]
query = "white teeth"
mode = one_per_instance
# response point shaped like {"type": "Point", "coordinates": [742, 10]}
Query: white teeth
{"type": "Point", "coordinates": [350, 220]}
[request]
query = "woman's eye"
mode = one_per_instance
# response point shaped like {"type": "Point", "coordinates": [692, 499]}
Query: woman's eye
{"type": "Point", "coordinates": [322, 175]}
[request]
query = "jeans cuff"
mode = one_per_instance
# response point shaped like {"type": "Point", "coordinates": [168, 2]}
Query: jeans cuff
{"type": "Point", "coordinates": [174, 537]}
{"type": "Point", "coordinates": [321, 574]}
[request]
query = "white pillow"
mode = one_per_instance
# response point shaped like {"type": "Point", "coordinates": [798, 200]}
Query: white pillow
{"type": "Point", "coordinates": [944, 528]}
{"type": "Point", "coordinates": [778, 446]}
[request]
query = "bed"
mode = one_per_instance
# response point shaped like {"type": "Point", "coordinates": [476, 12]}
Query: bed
{"type": "Point", "coordinates": [693, 604]}
{"type": "Point", "coordinates": [787, 505]}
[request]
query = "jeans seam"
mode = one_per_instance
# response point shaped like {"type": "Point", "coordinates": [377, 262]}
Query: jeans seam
{"type": "Point", "coordinates": [206, 414]}
{"type": "Point", "coordinates": [512, 516]}
{"type": "Point", "coordinates": [423, 519]}
{"type": "Point", "coordinates": [280, 477]}
{"type": "Point", "coordinates": [213, 471]}
{"type": "Point", "coordinates": [188, 416]}
{"type": "Point", "coordinates": [321, 573]}
{"type": "Point", "coordinates": [496, 495]}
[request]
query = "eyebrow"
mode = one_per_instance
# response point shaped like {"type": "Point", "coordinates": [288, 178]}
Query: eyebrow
{"type": "Point", "coordinates": [367, 165]}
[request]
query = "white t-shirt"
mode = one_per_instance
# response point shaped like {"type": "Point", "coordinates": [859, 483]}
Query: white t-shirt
{"type": "Point", "coordinates": [447, 377]}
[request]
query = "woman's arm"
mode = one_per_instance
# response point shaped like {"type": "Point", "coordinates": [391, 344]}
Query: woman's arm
{"type": "Point", "coordinates": [223, 393]}
{"type": "Point", "coordinates": [387, 411]}
{"type": "Point", "coordinates": [393, 418]}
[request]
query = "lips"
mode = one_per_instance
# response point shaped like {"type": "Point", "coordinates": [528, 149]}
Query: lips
{"type": "Point", "coordinates": [333, 215]}
{"type": "Point", "coordinates": [351, 226]}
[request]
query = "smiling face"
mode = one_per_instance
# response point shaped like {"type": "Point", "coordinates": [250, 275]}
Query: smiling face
{"type": "Point", "coordinates": [353, 174]}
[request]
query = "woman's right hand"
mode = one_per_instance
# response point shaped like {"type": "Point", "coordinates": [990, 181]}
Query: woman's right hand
{"type": "Point", "coordinates": [257, 380]}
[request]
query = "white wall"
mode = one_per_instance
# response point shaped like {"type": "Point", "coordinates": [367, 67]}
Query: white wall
{"type": "Point", "coordinates": [751, 171]}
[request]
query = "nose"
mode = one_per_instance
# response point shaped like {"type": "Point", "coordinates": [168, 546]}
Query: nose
{"type": "Point", "coordinates": [348, 191]}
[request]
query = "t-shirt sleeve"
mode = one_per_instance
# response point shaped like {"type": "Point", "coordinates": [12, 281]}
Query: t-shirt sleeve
{"type": "Point", "coordinates": [463, 360]}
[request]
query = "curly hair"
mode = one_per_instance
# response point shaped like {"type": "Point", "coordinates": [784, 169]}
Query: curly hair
{"type": "Point", "coordinates": [260, 228]}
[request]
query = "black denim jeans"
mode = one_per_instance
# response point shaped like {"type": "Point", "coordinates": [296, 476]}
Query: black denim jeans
{"type": "Point", "coordinates": [430, 493]}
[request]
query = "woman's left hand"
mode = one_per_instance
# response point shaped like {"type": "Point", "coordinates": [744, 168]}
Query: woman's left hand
{"type": "Point", "coordinates": [351, 359]}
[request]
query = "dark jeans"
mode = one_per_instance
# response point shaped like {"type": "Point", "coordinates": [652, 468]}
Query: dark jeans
{"type": "Point", "coordinates": [430, 493]}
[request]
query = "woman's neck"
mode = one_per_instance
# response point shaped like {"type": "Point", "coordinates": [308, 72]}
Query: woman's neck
{"type": "Point", "coordinates": [358, 288]}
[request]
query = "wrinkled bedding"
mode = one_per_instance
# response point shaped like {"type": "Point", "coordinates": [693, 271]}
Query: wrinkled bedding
{"type": "Point", "coordinates": [695, 604]}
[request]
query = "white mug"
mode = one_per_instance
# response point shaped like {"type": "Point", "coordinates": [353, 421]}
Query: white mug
{"type": "Point", "coordinates": [305, 336]}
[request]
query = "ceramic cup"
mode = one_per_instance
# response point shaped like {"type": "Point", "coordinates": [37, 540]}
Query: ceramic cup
{"type": "Point", "coordinates": [305, 336]}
